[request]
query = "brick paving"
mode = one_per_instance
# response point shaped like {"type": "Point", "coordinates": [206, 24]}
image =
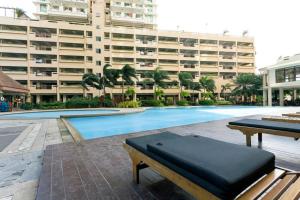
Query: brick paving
{"type": "Point", "coordinates": [101, 169]}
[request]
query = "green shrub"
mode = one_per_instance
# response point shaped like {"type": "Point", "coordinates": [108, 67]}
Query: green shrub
{"type": "Point", "coordinates": [26, 106]}
{"type": "Point", "coordinates": [206, 102]}
{"type": "Point", "coordinates": [52, 105]}
{"type": "Point", "coordinates": [152, 103]}
{"type": "Point", "coordinates": [182, 103]}
{"type": "Point", "coordinates": [223, 102]}
{"type": "Point", "coordinates": [129, 104]}
{"type": "Point", "coordinates": [78, 102]}
{"type": "Point", "coordinates": [194, 103]}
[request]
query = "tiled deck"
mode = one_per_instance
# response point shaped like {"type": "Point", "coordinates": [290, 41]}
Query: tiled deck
{"type": "Point", "coordinates": [101, 169]}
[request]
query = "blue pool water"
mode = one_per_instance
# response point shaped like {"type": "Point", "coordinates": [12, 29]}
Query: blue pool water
{"type": "Point", "coordinates": [52, 114]}
{"type": "Point", "coordinates": [156, 118]}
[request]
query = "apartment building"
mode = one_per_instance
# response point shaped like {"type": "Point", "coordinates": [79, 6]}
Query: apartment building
{"type": "Point", "coordinates": [50, 55]}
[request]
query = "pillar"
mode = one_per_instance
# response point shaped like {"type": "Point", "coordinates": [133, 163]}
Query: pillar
{"type": "Point", "coordinates": [28, 98]}
{"type": "Point", "coordinates": [269, 96]}
{"type": "Point", "coordinates": [64, 98]}
{"type": "Point", "coordinates": [134, 97]}
{"type": "Point", "coordinates": [38, 98]}
{"type": "Point", "coordinates": [295, 94]}
{"type": "Point", "coordinates": [265, 97]}
{"type": "Point", "coordinates": [281, 97]}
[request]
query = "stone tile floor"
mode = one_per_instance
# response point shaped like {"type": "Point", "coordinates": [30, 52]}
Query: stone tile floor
{"type": "Point", "coordinates": [21, 160]}
{"type": "Point", "coordinates": [101, 169]}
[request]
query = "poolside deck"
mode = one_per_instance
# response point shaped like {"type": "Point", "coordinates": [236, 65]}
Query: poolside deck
{"type": "Point", "coordinates": [101, 168]}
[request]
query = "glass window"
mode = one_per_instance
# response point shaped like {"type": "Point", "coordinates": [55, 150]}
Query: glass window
{"type": "Point", "coordinates": [279, 75]}
{"type": "Point", "coordinates": [43, 8]}
{"type": "Point", "coordinates": [290, 74]}
{"type": "Point", "coordinates": [98, 39]}
{"type": "Point", "coordinates": [297, 73]}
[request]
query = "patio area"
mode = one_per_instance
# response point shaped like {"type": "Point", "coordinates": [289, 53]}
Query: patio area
{"type": "Point", "coordinates": [101, 168]}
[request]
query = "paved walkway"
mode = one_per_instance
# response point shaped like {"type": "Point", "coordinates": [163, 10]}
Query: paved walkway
{"type": "Point", "coordinates": [21, 159]}
{"type": "Point", "coordinates": [101, 168]}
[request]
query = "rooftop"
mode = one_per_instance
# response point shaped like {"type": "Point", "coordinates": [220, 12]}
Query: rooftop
{"type": "Point", "coordinates": [8, 85]}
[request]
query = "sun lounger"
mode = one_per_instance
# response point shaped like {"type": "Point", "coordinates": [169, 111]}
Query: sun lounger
{"type": "Point", "coordinates": [282, 119]}
{"type": "Point", "coordinates": [250, 127]}
{"type": "Point", "coordinates": [209, 169]}
{"type": "Point", "coordinates": [291, 115]}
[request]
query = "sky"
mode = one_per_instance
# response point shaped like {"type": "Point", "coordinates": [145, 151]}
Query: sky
{"type": "Point", "coordinates": [273, 24]}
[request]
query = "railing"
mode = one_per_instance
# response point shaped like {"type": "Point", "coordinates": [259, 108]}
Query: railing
{"type": "Point", "coordinates": [44, 35]}
{"type": "Point", "coordinates": [43, 48]}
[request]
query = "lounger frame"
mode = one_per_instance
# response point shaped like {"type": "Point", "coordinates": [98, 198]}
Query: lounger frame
{"type": "Point", "coordinates": [250, 131]}
{"type": "Point", "coordinates": [288, 189]}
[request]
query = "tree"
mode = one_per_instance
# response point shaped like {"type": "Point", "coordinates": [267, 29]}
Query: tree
{"type": "Point", "coordinates": [195, 86]}
{"type": "Point", "coordinates": [224, 88]}
{"type": "Point", "coordinates": [127, 73]}
{"type": "Point", "coordinates": [208, 85]}
{"type": "Point", "coordinates": [247, 85]}
{"type": "Point", "coordinates": [91, 80]}
{"type": "Point", "coordinates": [130, 92]}
{"type": "Point", "coordinates": [185, 79]}
{"type": "Point", "coordinates": [19, 12]}
{"type": "Point", "coordinates": [157, 77]}
{"type": "Point", "coordinates": [109, 77]}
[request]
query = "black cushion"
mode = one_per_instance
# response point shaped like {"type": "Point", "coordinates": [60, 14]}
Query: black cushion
{"type": "Point", "coordinates": [281, 126]}
{"type": "Point", "coordinates": [223, 169]}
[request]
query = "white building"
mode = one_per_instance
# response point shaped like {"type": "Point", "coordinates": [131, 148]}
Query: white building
{"type": "Point", "coordinates": [279, 78]}
{"type": "Point", "coordinates": [67, 10]}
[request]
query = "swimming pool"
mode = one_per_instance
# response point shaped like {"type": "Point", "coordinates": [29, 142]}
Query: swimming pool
{"type": "Point", "coordinates": [53, 114]}
{"type": "Point", "coordinates": [154, 118]}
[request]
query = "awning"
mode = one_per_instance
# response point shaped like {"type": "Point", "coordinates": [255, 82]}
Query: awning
{"type": "Point", "coordinates": [9, 85]}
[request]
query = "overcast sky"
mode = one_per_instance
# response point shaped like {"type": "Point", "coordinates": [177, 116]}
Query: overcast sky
{"type": "Point", "coordinates": [274, 24]}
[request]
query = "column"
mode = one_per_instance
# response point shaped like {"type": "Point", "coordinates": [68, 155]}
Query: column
{"type": "Point", "coordinates": [295, 94]}
{"type": "Point", "coordinates": [134, 97]}
{"type": "Point", "coordinates": [64, 98]}
{"type": "Point", "coordinates": [38, 98]}
{"type": "Point", "coordinates": [265, 97]}
{"type": "Point", "coordinates": [28, 98]}
{"type": "Point", "coordinates": [281, 97]}
{"type": "Point", "coordinates": [269, 96]}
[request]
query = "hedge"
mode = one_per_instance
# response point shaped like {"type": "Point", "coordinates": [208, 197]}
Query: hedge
{"type": "Point", "coordinates": [128, 104]}
{"type": "Point", "coordinates": [152, 103]}
{"type": "Point", "coordinates": [182, 103]}
{"type": "Point", "coordinates": [82, 103]}
{"type": "Point", "coordinates": [206, 102]}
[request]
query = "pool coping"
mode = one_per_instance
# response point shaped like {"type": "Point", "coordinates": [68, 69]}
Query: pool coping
{"type": "Point", "coordinates": [75, 133]}
{"type": "Point", "coordinates": [52, 110]}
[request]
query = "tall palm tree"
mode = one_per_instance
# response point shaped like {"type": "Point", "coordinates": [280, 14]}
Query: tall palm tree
{"type": "Point", "coordinates": [224, 88]}
{"type": "Point", "coordinates": [247, 85]}
{"type": "Point", "coordinates": [185, 80]}
{"type": "Point", "coordinates": [92, 80]}
{"type": "Point", "coordinates": [19, 12]}
{"type": "Point", "coordinates": [157, 77]}
{"type": "Point", "coordinates": [194, 86]}
{"type": "Point", "coordinates": [109, 77]}
{"type": "Point", "coordinates": [208, 85]}
{"type": "Point", "coordinates": [127, 73]}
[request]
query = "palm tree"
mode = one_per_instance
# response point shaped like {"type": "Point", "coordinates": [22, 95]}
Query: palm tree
{"type": "Point", "coordinates": [92, 80]}
{"type": "Point", "coordinates": [195, 86]}
{"type": "Point", "coordinates": [208, 85]}
{"type": "Point", "coordinates": [247, 85]}
{"type": "Point", "coordinates": [185, 79]}
{"type": "Point", "coordinates": [224, 88]}
{"type": "Point", "coordinates": [19, 12]}
{"type": "Point", "coordinates": [109, 77]}
{"type": "Point", "coordinates": [127, 73]}
{"type": "Point", "coordinates": [157, 77]}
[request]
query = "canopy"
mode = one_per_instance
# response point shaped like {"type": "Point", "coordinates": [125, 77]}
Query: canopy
{"type": "Point", "coordinates": [9, 85]}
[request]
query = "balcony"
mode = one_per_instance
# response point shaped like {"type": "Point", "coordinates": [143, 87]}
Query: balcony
{"type": "Point", "coordinates": [43, 89]}
{"type": "Point", "coordinates": [43, 63]}
{"type": "Point", "coordinates": [209, 47]}
{"type": "Point", "coordinates": [70, 89]}
{"type": "Point", "coordinates": [44, 76]}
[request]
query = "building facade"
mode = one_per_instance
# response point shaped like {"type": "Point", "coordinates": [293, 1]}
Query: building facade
{"type": "Point", "coordinates": [50, 55]}
{"type": "Point", "coordinates": [281, 81]}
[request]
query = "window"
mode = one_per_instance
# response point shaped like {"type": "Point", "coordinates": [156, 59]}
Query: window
{"type": "Point", "coordinates": [98, 38]}
{"type": "Point", "coordinates": [89, 46]}
{"type": "Point", "coordinates": [129, 15]}
{"type": "Point", "coordinates": [43, 8]}
{"type": "Point", "coordinates": [55, 8]}
{"type": "Point", "coordinates": [107, 59]}
{"type": "Point", "coordinates": [118, 3]}
{"type": "Point", "coordinates": [80, 10]}
{"type": "Point", "coordinates": [98, 27]}
{"type": "Point", "coordinates": [98, 62]}
{"type": "Point", "coordinates": [89, 33]}
{"type": "Point", "coordinates": [289, 74]}
{"type": "Point", "coordinates": [89, 58]}
{"type": "Point", "coordinates": [118, 14]}
{"type": "Point", "coordinates": [106, 47]}
{"type": "Point", "coordinates": [298, 73]}
{"type": "Point", "coordinates": [138, 16]}
{"type": "Point", "coordinates": [98, 50]}
{"type": "Point", "coordinates": [106, 35]}
{"type": "Point", "coordinates": [127, 4]}
{"type": "Point", "coordinates": [90, 71]}
{"type": "Point", "coordinates": [68, 9]}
